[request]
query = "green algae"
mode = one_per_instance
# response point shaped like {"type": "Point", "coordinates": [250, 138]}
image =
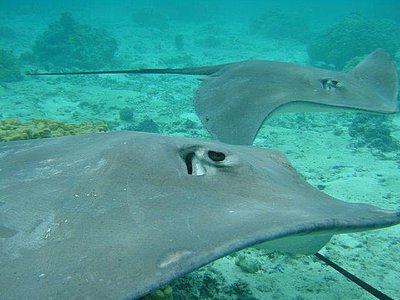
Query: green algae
{"type": "Point", "coordinates": [13, 130]}
{"type": "Point", "coordinates": [165, 293]}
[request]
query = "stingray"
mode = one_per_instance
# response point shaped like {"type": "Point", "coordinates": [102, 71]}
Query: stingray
{"type": "Point", "coordinates": [117, 215]}
{"type": "Point", "coordinates": [234, 99]}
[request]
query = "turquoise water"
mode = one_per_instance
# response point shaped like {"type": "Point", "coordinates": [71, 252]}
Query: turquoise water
{"type": "Point", "coordinates": [352, 156]}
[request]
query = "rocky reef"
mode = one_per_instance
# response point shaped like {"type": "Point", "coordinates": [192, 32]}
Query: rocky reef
{"type": "Point", "coordinates": [68, 44]}
{"type": "Point", "coordinates": [209, 283]}
{"type": "Point", "coordinates": [354, 36]}
{"type": "Point", "coordinates": [374, 132]}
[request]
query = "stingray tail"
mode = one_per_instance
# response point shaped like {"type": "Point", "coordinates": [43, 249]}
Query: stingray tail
{"type": "Point", "coordinates": [361, 283]}
{"type": "Point", "coordinates": [207, 70]}
{"type": "Point", "coordinates": [378, 71]}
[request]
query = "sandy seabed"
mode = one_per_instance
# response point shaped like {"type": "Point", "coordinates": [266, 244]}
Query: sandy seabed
{"type": "Point", "coordinates": [325, 159]}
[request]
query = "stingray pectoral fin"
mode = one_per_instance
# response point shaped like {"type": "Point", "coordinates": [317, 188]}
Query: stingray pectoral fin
{"type": "Point", "coordinates": [117, 215]}
{"type": "Point", "coordinates": [307, 107]}
{"type": "Point", "coordinates": [232, 103]}
{"type": "Point", "coordinates": [310, 238]}
{"type": "Point", "coordinates": [378, 72]}
{"type": "Point", "coordinates": [6, 232]}
{"type": "Point", "coordinates": [298, 244]}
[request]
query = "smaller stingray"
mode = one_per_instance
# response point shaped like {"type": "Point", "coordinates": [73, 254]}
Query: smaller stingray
{"type": "Point", "coordinates": [117, 215]}
{"type": "Point", "coordinates": [234, 99]}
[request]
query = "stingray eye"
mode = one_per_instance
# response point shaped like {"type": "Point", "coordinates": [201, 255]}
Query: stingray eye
{"type": "Point", "coordinates": [216, 156]}
{"type": "Point", "coordinates": [329, 84]}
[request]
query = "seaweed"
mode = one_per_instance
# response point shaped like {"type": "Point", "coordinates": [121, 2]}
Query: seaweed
{"type": "Point", "coordinates": [354, 36]}
{"type": "Point", "coordinates": [69, 44]}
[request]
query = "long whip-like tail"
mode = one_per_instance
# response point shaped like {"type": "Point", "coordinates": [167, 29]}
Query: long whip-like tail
{"type": "Point", "coordinates": [370, 289]}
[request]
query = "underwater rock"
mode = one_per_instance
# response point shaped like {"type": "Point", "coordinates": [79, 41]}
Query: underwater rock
{"type": "Point", "coordinates": [148, 125]}
{"type": "Point", "coordinates": [9, 67]}
{"type": "Point", "coordinates": [165, 293]}
{"type": "Point", "coordinates": [204, 283]}
{"type": "Point", "coordinates": [209, 283]}
{"type": "Point", "coordinates": [189, 124]}
{"type": "Point", "coordinates": [372, 131]}
{"type": "Point", "coordinates": [13, 130]}
{"type": "Point", "coordinates": [280, 266]}
{"type": "Point", "coordinates": [279, 24]}
{"type": "Point", "coordinates": [241, 290]}
{"type": "Point", "coordinates": [338, 131]}
{"type": "Point", "coordinates": [354, 36]}
{"type": "Point", "coordinates": [126, 114]}
{"type": "Point", "coordinates": [67, 43]}
{"type": "Point", "coordinates": [247, 264]}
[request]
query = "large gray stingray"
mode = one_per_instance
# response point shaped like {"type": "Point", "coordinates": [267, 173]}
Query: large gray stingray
{"type": "Point", "coordinates": [117, 215]}
{"type": "Point", "coordinates": [234, 99]}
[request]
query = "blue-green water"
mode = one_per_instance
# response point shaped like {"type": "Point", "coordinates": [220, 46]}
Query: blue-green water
{"type": "Point", "coordinates": [352, 156]}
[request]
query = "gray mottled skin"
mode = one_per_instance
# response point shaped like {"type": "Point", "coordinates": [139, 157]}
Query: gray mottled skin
{"type": "Point", "coordinates": [234, 102]}
{"type": "Point", "coordinates": [116, 215]}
